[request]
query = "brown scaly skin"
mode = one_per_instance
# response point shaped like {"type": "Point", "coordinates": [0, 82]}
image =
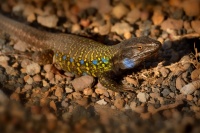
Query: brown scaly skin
{"type": "Point", "coordinates": [85, 56]}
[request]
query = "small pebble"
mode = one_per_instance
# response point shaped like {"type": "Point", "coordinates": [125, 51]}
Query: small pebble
{"type": "Point", "coordinates": [31, 18]}
{"type": "Point", "coordinates": [172, 24]}
{"type": "Point", "coordinates": [85, 22]}
{"type": "Point", "coordinates": [101, 102]}
{"type": "Point", "coordinates": [15, 65]}
{"type": "Point", "coordinates": [195, 25]}
{"type": "Point", "coordinates": [164, 71]}
{"type": "Point", "coordinates": [189, 97]}
{"type": "Point", "coordinates": [185, 61]}
{"type": "Point", "coordinates": [144, 15]}
{"type": "Point", "coordinates": [190, 88]}
{"type": "Point", "coordinates": [127, 35]}
{"type": "Point", "coordinates": [48, 67]}
{"type": "Point", "coordinates": [138, 33]}
{"type": "Point", "coordinates": [11, 71]}
{"type": "Point", "coordinates": [49, 75]}
{"type": "Point", "coordinates": [52, 104]}
{"type": "Point", "coordinates": [87, 91]}
{"type": "Point", "coordinates": [26, 88]}
{"type": "Point", "coordinates": [171, 94]}
{"type": "Point", "coordinates": [175, 3]}
{"type": "Point", "coordinates": [142, 97]}
{"type": "Point", "coordinates": [64, 104]}
{"type": "Point", "coordinates": [58, 77]}
{"type": "Point", "coordinates": [156, 90]}
{"type": "Point", "coordinates": [145, 27]}
{"type": "Point", "coordinates": [191, 7]}
{"type": "Point", "coordinates": [48, 21]}
{"type": "Point", "coordinates": [132, 81]}
{"type": "Point", "coordinates": [119, 11]}
{"type": "Point", "coordinates": [195, 74]}
{"type": "Point", "coordinates": [161, 100]}
{"type": "Point", "coordinates": [4, 61]}
{"type": "Point", "coordinates": [185, 76]}
{"type": "Point", "coordinates": [77, 95]}
{"type": "Point", "coordinates": [159, 80]}
{"type": "Point", "coordinates": [33, 68]}
{"type": "Point", "coordinates": [15, 96]}
{"type": "Point", "coordinates": [82, 82]}
{"type": "Point", "coordinates": [121, 28]}
{"type": "Point", "coordinates": [104, 6]}
{"type": "Point", "coordinates": [154, 95]}
{"type": "Point", "coordinates": [18, 7]}
{"type": "Point", "coordinates": [59, 93]}
{"type": "Point", "coordinates": [21, 46]}
{"type": "Point", "coordinates": [28, 79]}
{"type": "Point", "coordinates": [37, 78]}
{"type": "Point", "coordinates": [188, 27]}
{"type": "Point", "coordinates": [105, 29]}
{"type": "Point", "coordinates": [68, 90]}
{"type": "Point", "coordinates": [127, 107]}
{"type": "Point", "coordinates": [25, 62]}
{"type": "Point", "coordinates": [47, 9]}
{"type": "Point", "coordinates": [165, 92]}
{"type": "Point", "coordinates": [180, 83]}
{"type": "Point", "coordinates": [106, 94]}
{"type": "Point", "coordinates": [157, 17]}
{"type": "Point", "coordinates": [94, 95]}
{"type": "Point", "coordinates": [75, 28]}
{"type": "Point", "coordinates": [45, 83]}
{"type": "Point", "coordinates": [100, 91]}
{"type": "Point", "coordinates": [83, 101]}
{"type": "Point", "coordinates": [100, 86]}
{"type": "Point", "coordinates": [119, 103]}
{"type": "Point", "coordinates": [27, 9]}
{"type": "Point", "coordinates": [133, 15]}
{"type": "Point", "coordinates": [155, 32]}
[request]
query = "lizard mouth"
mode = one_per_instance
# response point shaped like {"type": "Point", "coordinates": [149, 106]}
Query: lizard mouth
{"type": "Point", "coordinates": [146, 55]}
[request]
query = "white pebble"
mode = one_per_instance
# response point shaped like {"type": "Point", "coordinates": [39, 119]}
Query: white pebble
{"type": "Point", "coordinates": [102, 102]}
{"type": "Point", "coordinates": [48, 21]}
{"type": "Point", "coordinates": [142, 97]}
{"type": "Point", "coordinates": [190, 88]}
{"type": "Point", "coordinates": [33, 69]}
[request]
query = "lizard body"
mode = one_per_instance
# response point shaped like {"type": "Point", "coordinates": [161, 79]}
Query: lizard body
{"type": "Point", "coordinates": [85, 56]}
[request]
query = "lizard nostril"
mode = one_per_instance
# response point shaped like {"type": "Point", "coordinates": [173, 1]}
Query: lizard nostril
{"type": "Point", "coordinates": [139, 47]}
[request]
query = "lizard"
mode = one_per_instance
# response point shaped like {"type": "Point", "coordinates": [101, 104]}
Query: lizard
{"type": "Point", "coordinates": [82, 56]}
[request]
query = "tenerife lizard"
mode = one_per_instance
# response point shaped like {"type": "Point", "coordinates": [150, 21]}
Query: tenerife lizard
{"type": "Point", "coordinates": [84, 56]}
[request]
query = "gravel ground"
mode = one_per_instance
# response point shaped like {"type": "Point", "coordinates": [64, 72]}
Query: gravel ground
{"type": "Point", "coordinates": [35, 98]}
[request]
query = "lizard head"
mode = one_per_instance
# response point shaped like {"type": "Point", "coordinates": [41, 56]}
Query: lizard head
{"type": "Point", "coordinates": [134, 51]}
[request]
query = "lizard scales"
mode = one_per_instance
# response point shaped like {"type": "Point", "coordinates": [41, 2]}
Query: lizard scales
{"type": "Point", "coordinates": [85, 56]}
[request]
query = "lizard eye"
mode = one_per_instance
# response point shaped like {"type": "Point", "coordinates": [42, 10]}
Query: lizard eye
{"type": "Point", "coordinates": [139, 47]}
